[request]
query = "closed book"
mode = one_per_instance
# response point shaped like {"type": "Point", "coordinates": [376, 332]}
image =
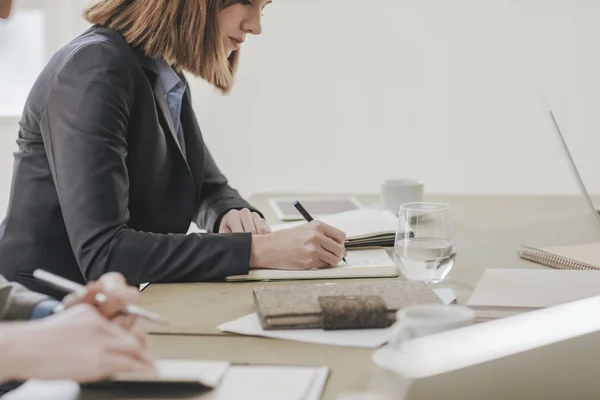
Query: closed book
{"type": "Point", "coordinates": [338, 306]}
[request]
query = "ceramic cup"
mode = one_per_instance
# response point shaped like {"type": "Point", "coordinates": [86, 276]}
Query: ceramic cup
{"type": "Point", "coordinates": [395, 192]}
{"type": "Point", "coordinates": [426, 319]}
{"type": "Point", "coordinates": [391, 369]}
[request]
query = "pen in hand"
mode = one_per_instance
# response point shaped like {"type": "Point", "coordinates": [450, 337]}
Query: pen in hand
{"type": "Point", "coordinates": [307, 217]}
{"type": "Point", "coordinates": [73, 287]}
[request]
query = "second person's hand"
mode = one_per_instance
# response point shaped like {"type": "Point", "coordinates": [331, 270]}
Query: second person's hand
{"type": "Point", "coordinates": [85, 346]}
{"type": "Point", "coordinates": [118, 296]}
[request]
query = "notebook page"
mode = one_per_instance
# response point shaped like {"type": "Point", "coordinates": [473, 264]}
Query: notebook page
{"type": "Point", "coordinates": [269, 383]}
{"type": "Point", "coordinates": [356, 222]}
{"type": "Point", "coordinates": [367, 258]}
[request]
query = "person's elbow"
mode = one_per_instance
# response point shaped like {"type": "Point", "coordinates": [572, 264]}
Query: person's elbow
{"type": "Point", "coordinates": [104, 255]}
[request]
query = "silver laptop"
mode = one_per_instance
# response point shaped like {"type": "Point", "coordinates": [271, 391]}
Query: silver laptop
{"type": "Point", "coordinates": [584, 192]}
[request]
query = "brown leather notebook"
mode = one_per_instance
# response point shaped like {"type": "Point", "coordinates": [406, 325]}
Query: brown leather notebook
{"type": "Point", "coordinates": [338, 305]}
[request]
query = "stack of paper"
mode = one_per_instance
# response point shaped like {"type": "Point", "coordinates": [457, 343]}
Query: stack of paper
{"type": "Point", "coordinates": [505, 292]}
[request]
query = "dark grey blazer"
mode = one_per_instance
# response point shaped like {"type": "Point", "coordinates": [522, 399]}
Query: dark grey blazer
{"type": "Point", "coordinates": [100, 184]}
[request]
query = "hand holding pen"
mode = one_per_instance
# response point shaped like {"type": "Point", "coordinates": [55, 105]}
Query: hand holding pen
{"type": "Point", "coordinates": [110, 295]}
{"type": "Point", "coordinates": [306, 216]}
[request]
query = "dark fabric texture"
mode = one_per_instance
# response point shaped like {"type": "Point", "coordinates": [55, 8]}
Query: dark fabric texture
{"type": "Point", "coordinates": [99, 183]}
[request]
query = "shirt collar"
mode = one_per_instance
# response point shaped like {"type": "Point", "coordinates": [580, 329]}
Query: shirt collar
{"type": "Point", "coordinates": [169, 79]}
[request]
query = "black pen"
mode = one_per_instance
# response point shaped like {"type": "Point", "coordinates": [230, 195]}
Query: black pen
{"type": "Point", "coordinates": [307, 216]}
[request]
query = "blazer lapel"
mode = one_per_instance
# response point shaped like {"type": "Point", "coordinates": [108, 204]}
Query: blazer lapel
{"type": "Point", "coordinates": [194, 143]}
{"type": "Point", "coordinates": [164, 113]}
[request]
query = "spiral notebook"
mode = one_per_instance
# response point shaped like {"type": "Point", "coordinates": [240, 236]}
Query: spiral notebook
{"type": "Point", "coordinates": [579, 257]}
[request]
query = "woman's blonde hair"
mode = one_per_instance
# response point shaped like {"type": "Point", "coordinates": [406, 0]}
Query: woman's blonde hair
{"type": "Point", "coordinates": [183, 32]}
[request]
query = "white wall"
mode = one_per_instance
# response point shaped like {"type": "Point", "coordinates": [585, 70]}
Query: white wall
{"type": "Point", "coordinates": [338, 95]}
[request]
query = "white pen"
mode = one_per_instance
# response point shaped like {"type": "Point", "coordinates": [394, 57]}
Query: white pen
{"type": "Point", "coordinates": [70, 286]}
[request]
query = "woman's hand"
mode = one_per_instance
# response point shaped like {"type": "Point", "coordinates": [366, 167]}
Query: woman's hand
{"type": "Point", "coordinates": [244, 220]}
{"type": "Point", "coordinates": [311, 245]}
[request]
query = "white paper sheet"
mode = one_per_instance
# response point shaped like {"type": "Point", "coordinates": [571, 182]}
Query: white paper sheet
{"type": "Point", "coordinates": [365, 338]}
{"type": "Point", "coordinates": [319, 382]}
{"type": "Point", "coordinates": [35, 389]}
{"type": "Point", "coordinates": [271, 383]}
{"type": "Point", "coordinates": [446, 295]}
{"type": "Point", "coordinates": [369, 338]}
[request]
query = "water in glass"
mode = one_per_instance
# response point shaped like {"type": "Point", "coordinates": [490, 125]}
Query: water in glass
{"type": "Point", "coordinates": [428, 253]}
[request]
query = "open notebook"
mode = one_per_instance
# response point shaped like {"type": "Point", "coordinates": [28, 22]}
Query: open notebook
{"type": "Point", "coordinates": [373, 263]}
{"type": "Point", "coordinates": [364, 228]}
{"type": "Point", "coordinates": [580, 256]}
{"type": "Point", "coordinates": [367, 231]}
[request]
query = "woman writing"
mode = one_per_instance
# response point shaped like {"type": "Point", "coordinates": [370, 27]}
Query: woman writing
{"type": "Point", "coordinates": [112, 167]}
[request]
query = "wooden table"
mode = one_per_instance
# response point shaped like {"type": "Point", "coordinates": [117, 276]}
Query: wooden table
{"type": "Point", "coordinates": [488, 231]}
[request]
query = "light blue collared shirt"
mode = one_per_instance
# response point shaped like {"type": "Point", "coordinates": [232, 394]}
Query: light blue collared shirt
{"type": "Point", "coordinates": [174, 90]}
{"type": "Point", "coordinates": [43, 309]}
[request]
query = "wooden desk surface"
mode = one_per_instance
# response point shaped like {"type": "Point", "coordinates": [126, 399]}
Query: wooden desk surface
{"type": "Point", "coordinates": [488, 232]}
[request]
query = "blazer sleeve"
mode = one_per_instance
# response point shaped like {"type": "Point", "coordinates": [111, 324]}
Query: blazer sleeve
{"type": "Point", "coordinates": [17, 302]}
{"type": "Point", "coordinates": [217, 197]}
{"type": "Point", "coordinates": [84, 129]}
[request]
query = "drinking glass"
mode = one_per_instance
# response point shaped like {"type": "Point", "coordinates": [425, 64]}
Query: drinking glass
{"type": "Point", "coordinates": [424, 248]}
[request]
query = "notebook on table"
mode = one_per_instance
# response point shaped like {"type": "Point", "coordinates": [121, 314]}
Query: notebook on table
{"type": "Point", "coordinates": [374, 263]}
{"type": "Point", "coordinates": [368, 232]}
{"type": "Point", "coordinates": [172, 373]}
{"type": "Point", "coordinates": [505, 292]}
{"type": "Point", "coordinates": [364, 228]}
{"type": "Point", "coordinates": [207, 380]}
{"type": "Point", "coordinates": [580, 257]}
{"type": "Point", "coordinates": [327, 305]}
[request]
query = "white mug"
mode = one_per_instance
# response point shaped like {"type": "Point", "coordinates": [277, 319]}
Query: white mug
{"type": "Point", "coordinates": [395, 192]}
{"type": "Point", "coordinates": [426, 319]}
